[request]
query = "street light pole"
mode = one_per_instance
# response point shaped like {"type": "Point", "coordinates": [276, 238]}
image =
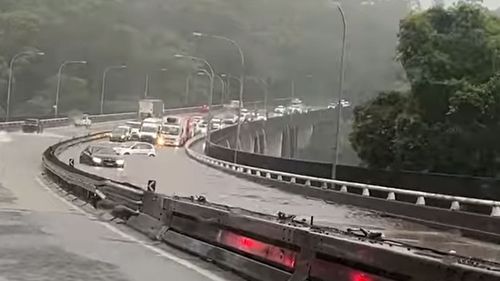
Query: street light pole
{"type": "Point", "coordinates": [223, 88]}
{"type": "Point", "coordinates": [59, 76]}
{"type": "Point", "coordinates": [146, 86]}
{"type": "Point", "coordinates": [266, 96]}
{"type": "Point", "coordinates": [340, 89]}
{"type": "Point", "coordinates": [103, 86]}
{"type": "Point", "coordinates": [212, 76]}
{"type": "Point", "coordinates": [265, 88]}
{"type": "Point", "coordinates": [188, 83]}
{"type": "Point", "coordinates": [148, 79]}
{"type": "Point", "coordinates": [204, 72]}
{"type": "Point", "coordinates": [11, 74]}
{"type": "Point", "coordinates": [242, 79]}
{"type": "Point", "coordinates": [229, 76]}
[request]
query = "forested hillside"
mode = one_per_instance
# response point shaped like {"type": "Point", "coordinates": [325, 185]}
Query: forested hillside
{"type": "Point", "coordinates": [282, 40]}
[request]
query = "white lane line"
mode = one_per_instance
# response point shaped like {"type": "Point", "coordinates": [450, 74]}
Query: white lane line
{"type": "Point", "coordinates": [144, 244]}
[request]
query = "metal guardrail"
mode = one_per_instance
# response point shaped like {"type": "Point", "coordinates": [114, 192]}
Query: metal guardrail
{"type": "Point", "coordinates": [265, 247]}
{"type": "Point", "coordinates": [475, 217]}
{"type": "Point", "coordinates": [88, 186]}
{"type": "Point", "coordinates": [392, 193]}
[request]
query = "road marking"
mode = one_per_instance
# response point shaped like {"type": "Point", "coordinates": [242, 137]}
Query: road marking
{"type": "Point", "coordinates": [144, 244]}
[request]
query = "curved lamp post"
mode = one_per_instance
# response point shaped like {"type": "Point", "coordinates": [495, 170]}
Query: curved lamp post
{"type": "Point", "coordinates": [340, 89]}
{"type": "Point", "coordinates": [11, 74]}
{"type": "Point", "coordinates": [212, 76]}
{"type": "Point", "coordinates": [242, 79]}
{"type": "Point", "coordinates": [103, 86]}
{"type": "Point", "coordinates": [59, 78]}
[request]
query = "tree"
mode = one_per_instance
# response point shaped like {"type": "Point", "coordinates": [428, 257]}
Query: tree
{"type": "Point", "coordinates": [282, 39]}
{"type": "Point", "coordinates": [448, 122]}
{"type": "Point", "coordinates": [374, 128]}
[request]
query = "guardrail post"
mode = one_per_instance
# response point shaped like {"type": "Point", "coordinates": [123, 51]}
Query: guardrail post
{"type": "Point", "coordinates": [324, 185]}
{"type": "Point", "coordinates": [343, 188]}
{"type": "Point", "coordinates": [280, 178]}
{"type": "Point", "coordinates": [308, 182]}
{"type": "Point", "coordinates": [366, 192]}
{"type": "Point", "coordinates": [293, 180]}
{"type": "Point", "coordinates": [455, 206]}
{"type": "Point", "coordinates": [268, 175]}
{"type": "Point", "coordinates": [249, 171]}
{"type": "Point", "coordinates": [495, 211]}
{"type": "Point", "coordinates": [391, 196]}
{"type": "Point", "coordinates": [420, 201]}
{"type": "Point", "coordinates": [257, 173]}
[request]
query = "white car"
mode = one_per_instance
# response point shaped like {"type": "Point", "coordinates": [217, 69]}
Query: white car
{"type": "Point", "coordinates": [245, 114]}
{"type": "Point", "coordinates": [216, 124]}
{"type": "Point", "coordinates": [201, 127]}
{"type": "Point", "coordinates": [345, 103]}
{"type": "Point", "coordinates": [260, 117]}
{"type": "Point", "coordinates": [280, 110]}
{"type": "Point", "coordinates": [295, 108]}
{"type": "Point", "coordinates": [234, 104]}
{"type": "Point", "coordinates": [227, 122]}
{"type": "Point", "coordinates": [136, 148]}
{"type": "Point", "coordinates": [83, 121]}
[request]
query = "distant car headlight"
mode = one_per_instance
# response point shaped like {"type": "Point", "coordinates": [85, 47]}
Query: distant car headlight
{"type": "Point", "coordinates": [120, 162]}
{"type": "Point", "coordinates": [97, 160]}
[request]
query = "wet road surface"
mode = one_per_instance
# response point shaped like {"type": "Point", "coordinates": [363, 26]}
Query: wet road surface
{"type": "Point", "coordinates": [44, 238]}
{"type": "Point", "coordinates": [177, 174]}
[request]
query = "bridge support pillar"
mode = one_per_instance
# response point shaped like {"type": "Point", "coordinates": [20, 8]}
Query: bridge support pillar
{"type": "Point", "coordinates": [262, 142]}
{"type": "Point", "coordinates": [293, 141]}
{"type": "Point", "coordinates": [256, 144]}
{"type": "Point", "coordinates": [285, 143]}
{"type": "Point", "coordinates": [289, 142]}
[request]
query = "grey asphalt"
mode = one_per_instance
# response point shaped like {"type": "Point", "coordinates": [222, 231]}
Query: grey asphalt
{"type": "Point", "coordinates": [42, 238]}
{"type": "Point", "coordinates": [177, 174]}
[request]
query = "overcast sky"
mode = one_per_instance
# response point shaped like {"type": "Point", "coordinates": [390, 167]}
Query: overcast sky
{"type": "Point", "coordinates": [492, 4]}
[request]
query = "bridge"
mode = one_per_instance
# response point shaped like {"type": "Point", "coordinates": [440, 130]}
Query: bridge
{"type": "Point", "coordinates": [53, 213]}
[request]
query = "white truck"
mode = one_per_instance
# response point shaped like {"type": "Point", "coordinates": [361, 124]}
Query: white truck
{"type": "Point", "coordinates": [150, 108]}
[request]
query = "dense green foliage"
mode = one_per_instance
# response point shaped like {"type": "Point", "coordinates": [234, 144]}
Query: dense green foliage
{"type": "Point", "coordinates": [282, 40]}
{"type": "Point", "coordinates": [449, 120]}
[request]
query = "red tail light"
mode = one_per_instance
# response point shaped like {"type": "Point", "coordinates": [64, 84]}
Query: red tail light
{"type": "Point", "coordinates": [358, 276]}
{"type": "Point", "coordinates": [260, 249]}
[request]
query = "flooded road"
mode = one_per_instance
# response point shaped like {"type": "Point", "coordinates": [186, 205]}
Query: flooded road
{"type": "Point", "coordinates": [177, 174]}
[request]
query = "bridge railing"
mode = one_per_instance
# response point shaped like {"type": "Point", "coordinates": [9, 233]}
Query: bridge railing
{"type": "Point", "coordinates": [475, 217]}
{"type": "Point", "coordinates": [343, 186]}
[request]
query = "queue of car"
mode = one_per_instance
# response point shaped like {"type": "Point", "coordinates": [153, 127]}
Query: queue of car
{"type": "Point", "coordinates": [142, 137]}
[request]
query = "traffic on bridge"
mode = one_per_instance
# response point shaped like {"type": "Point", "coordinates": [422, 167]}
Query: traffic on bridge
{"type": "Point", "coordinates": [249, 140]}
